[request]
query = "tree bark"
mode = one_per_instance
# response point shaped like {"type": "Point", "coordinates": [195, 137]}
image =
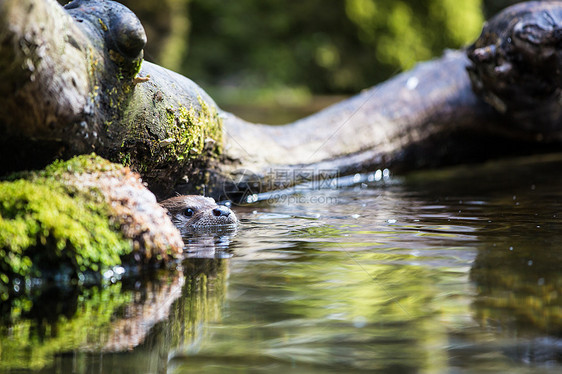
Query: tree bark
{"type": "Point", "coordinates": [73, 82]}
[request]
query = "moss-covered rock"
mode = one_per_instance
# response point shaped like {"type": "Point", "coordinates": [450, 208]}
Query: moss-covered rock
{"type": "Point", "coordinates": [43, 224]}
{"type": "Point", "coordinates": [77, 217]}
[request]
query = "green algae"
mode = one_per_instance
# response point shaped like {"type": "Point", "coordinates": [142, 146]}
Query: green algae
{"type": "Point", "coordinates": [47, 225]}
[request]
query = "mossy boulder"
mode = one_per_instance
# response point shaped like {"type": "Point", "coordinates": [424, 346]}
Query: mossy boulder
{"type": "Point", "coordinates": [79, 218]}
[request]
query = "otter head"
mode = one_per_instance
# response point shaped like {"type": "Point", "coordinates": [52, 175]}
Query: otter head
{"type": "Point", "coordinates": [190, 213]}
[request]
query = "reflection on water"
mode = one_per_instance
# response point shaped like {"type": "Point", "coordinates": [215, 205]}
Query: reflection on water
{"type": "Point", "coordinates": [448, 271]}
{"type": "Point", "coordinates": [128, 327]}
{"type": "Point", "coordinates": [212, 242]}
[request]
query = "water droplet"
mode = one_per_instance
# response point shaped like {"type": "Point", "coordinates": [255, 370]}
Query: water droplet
{"type": "Point", "coordinates": [412, 83]}
{"type": "Point", "coordinates": [108, 274]}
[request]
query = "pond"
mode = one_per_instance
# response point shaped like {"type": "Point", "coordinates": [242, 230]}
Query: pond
{"type": "Point", "coordinates": [455, 270]}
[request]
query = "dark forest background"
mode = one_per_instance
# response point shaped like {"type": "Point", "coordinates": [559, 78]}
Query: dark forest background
{"type": "Point", "coordinates": [286, 53]}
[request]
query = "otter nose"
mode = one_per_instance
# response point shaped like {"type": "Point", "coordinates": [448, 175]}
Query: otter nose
{"type": "Point", "coordinates": [221, 210]}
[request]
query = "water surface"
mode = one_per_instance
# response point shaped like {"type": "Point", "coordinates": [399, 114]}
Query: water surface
{"type": "Point", "coordinates": [455, 270]}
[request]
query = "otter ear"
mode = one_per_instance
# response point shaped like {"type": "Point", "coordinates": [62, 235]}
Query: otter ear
{"type": "Point", "coordinates": [172, 204]}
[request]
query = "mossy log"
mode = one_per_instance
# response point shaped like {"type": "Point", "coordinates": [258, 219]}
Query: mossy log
{"type": "Point", "coordinates": [71, 85]}
{"type": "Point", "coordinates": [73, 81]}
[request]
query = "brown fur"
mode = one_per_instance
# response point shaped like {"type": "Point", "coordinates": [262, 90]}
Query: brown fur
{"type": "Point", "coordinates": [205, 213]}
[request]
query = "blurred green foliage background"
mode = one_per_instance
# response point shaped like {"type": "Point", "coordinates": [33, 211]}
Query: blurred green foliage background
{"type": "Point", "coordinates": [284, 52]}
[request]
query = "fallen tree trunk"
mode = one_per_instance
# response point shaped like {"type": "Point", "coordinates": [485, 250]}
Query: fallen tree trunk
{"type": "Point", "coordinates": [73, 82]}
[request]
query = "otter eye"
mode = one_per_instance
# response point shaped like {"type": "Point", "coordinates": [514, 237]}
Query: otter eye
{"type": "Point", "coordinates": [188, 212]}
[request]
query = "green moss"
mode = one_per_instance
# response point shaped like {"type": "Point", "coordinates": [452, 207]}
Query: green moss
{"type": "Point", "coordinates": [47, 225]}
{"type": "Point", "coordinates": [185, 135]}
{"type": "Point", "coordinates": [136, 66]}
{"type": "Point", "coordinates": [118, 94]}
{"type": "Point", "coordinates": [78, 165]}
{"type": "Point", "coordinates": [94, 67]}
{"type": "Point", "coordinates": [125, 159]}
{"type": "Point", "coordinates": [103, 26]}
{"type": "Point", "coordinates": [189, 131]}
{"type": "Point", "coordinates": [127, 70]}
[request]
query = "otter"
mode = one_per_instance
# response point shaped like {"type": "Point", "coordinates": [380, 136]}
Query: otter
{"type": "Point", "coordinates": [191, 213]}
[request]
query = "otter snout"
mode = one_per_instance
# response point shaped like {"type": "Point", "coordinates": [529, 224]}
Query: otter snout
{"type": "Point", "coordinates": [222, 211]}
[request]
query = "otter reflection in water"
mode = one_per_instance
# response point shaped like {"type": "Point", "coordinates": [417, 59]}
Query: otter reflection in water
{"type": "Point", "coordinates": [191, 213]}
